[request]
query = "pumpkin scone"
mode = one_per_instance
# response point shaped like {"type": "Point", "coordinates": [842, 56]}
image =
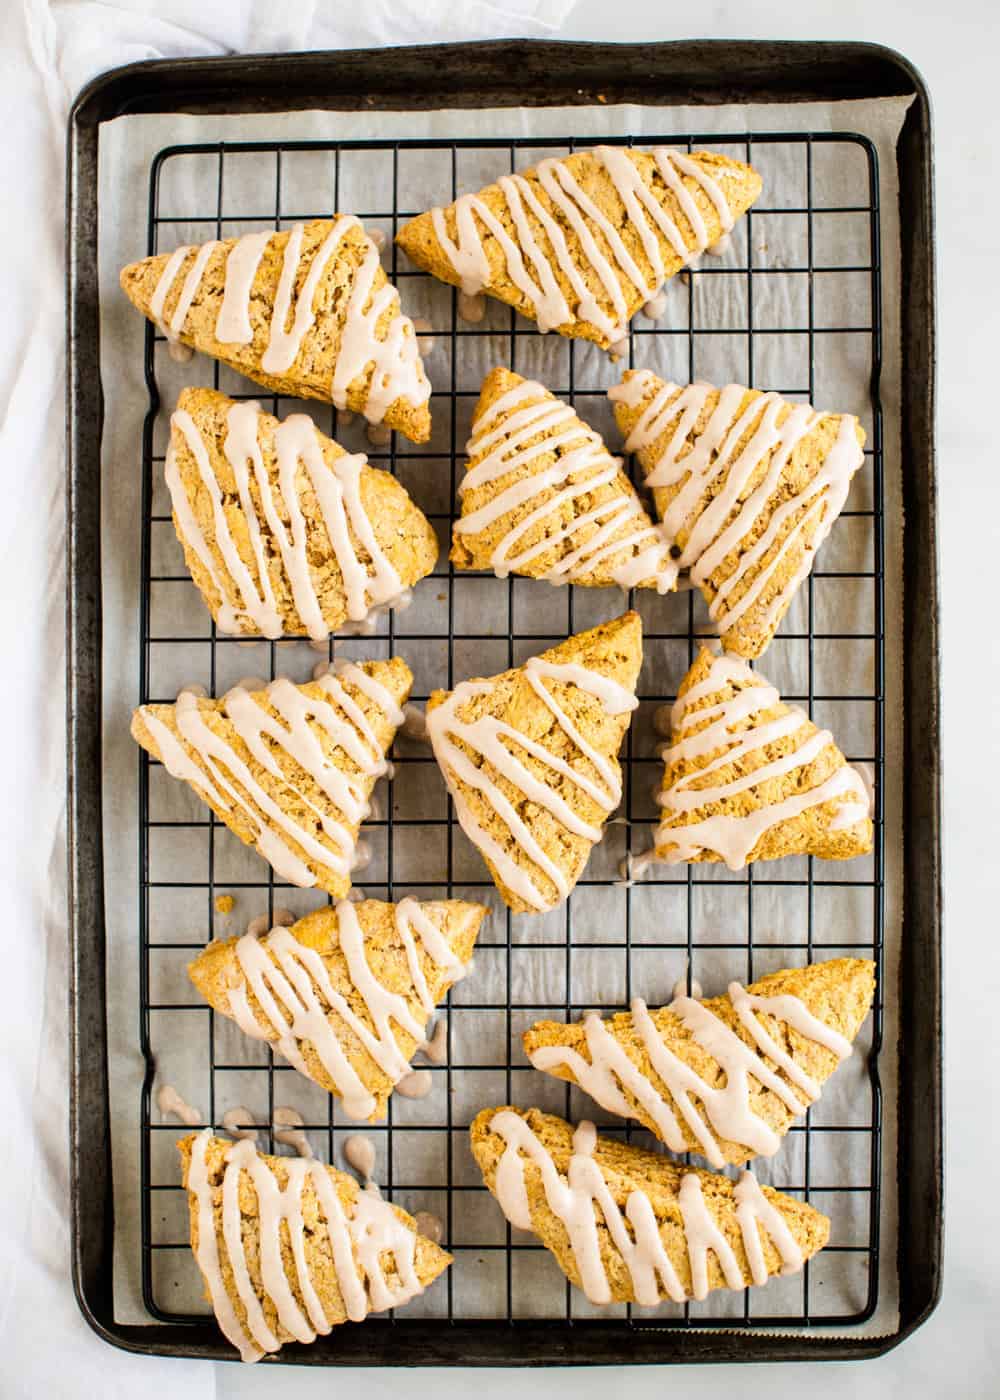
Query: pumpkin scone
{"type": "Point", "coordinates": [579, 244]}
{"type": "Point", "coordinates": [345, 992]}
{"type": "Point", "coordinates": [543, 497]}
{"type": "Point", "coordinates": [288, 768]}
{"type": "Point", "coordinates": [289, 1248]}
{"type": "Point", "coordinates": [629, 1226]}
{"type": "Point", "coordinates": [283, 531]}
{"type": "Point", "coordinates": [530, 758]}
{"type": "Point", "coordinates": [307, 312]}
{"type": "Point", "coordinates": [747, 485]}
{"type": "Point", "coordinates": [726, 1077]}
{"type": "Point", "coordinates": [747, 777]}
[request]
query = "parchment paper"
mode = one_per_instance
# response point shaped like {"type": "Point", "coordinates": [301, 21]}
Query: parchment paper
{"type": "Point", "coordinates": [127, 147]}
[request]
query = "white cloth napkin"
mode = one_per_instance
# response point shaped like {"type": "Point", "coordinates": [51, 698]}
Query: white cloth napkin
{"type": "Point", "coordinates": [50, 51]}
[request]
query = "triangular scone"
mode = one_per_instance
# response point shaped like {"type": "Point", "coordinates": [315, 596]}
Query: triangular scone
{"type": "Point", "coordinates": [290, 768]}
{"type": "Point", "coordinates": [747, 485]}
{"type": "Point", "coordinates": [543, 497]}
{"type": "Point", "coordinates": [579, 244]}
{"type": "Point", "coordinates": [529, 757]}
{"type": "Point", "coordinates": [629, 1226]}
{"type": "Point", "coordinates": [344, 993]}
{"type": "Point", "coordinates": [283, 530]}
{"type": "Point", "coordinates": [747, 777]}
{"type": "Point", "coordinates": [289, 1248]}
{"type": "Point", "coordinates": [307, 312]}
{"type": "Point", "coordinates": [725, 1077]}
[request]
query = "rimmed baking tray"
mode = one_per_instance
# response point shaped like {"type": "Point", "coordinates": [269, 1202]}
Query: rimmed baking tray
{"type": "Point", "coordinates": [477, 76]}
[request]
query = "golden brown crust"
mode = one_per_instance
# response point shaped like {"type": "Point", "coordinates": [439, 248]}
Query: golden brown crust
{"type": "Point", "coordinates": [625, 1169]}
{"type": "Point", "coordinates": [741, 185]}
{"type": "Point", "coordinates": [811, 832]}
{"type": "Point", "coordinates": [751, 633]}
{"type": "Point", "coordinates": [475, 551]}
{"type": "Point", "coordinates": [403, 533]}
{"type": "Point", "coordinates": [613, 650]}
{"type": "Point", "coordinates": [430, 1260]}
{"type": "Point", "coordinates": [839, 993]}
{"type": "Point", "coordinates": [311, 373]}
{"type": "Point", "coordinates": [216, 972]}
{"type": "Point", "coordinates": [395, 676]}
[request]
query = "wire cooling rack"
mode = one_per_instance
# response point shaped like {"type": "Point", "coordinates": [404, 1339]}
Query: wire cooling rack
{"type": "Point", "coordinates": [793, 305]}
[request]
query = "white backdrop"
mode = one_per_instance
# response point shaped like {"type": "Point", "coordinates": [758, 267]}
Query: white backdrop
{"type": "Point", "coordinates": [48, 51]}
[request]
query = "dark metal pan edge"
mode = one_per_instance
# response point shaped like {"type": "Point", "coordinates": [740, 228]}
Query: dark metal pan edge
{"type": "Point", "coordinates": [693, 72]}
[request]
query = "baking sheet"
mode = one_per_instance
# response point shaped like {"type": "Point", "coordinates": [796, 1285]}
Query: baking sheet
{"type": "Point", "coordinates": [127, 147]}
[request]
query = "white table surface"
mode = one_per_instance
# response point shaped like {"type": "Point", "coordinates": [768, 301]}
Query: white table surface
{"type": "Point", "coordinates": [45, 1350]}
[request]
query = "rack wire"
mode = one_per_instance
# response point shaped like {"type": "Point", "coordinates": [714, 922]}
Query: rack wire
{"type": "Point", "coordinates": [611, 939]}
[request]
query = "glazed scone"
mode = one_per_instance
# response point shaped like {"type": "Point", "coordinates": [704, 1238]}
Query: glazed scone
{"type": "Point", "coordinates": [344, 993]}
{"type": "Point", "coordinates": [747, 485]}
{"type": "Point", "coordinates": [726, 1077]}
{"type": "Point", "coordinates": [283, 531]}
{"type": "Point", "coordinates": [580, 244]}
{"type": "Point", "coordinates": [289, 768]}
{"type": "Point", "coordinates": [530, 758]}
{"type": "Point", "coordinates": [543, 497]}
{"type": "Point", "coordinates": [306, 312]}
{"type": "Point", "coordinates": [630, 1226]}
{"type": "Point", "coordinates": [747, 777]}
{"type": "Point", "coordinates": [290, 1248]}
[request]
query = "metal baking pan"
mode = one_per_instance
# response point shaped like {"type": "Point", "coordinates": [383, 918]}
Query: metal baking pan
{"type": "Point", "coordinates": [513, 74]}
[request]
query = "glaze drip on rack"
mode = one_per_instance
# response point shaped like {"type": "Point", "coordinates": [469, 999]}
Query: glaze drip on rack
{"type": "Point", "coordinates": [528, 259]}
{"type": "Point", "coordinates": [296, 999]}
{"type": "Point", "coordinates": [502, 443]}
{"type": "Point", "coordinates": [708, 1110]}
{"type": "Point", "coordinates": [228, 782]}
{"type": "Point", "coordinates": [582, 1199]}
{"type": "Point", "coordinates": [393, 355]}
{"type": "Point", "coordinates": [700, 733]}
{"type": "Point", "coordinates": [493, 741]}
{"type": "Point", "coordinates": [359, 1236]}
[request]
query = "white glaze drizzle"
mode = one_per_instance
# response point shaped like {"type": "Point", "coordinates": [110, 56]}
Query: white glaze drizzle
{"type": "Point", "coordinates": [705, 1108]}
{"type": "Point", "coordinates": [300, 465]}
{"type": "Point", "coordinates": [581, 1199]}
{"type": "Point", "coordinates": [485, 737]}
{"type": "Point", "coordinates": [716, 532]}
{"type": "Point", "coordinates": [165, 281]}
{"type": "Point", "coordinates": [394, 357]}
{"type": "Point", "coordinates": [539, 252]}
{"type": "Point", "coordinates": [501, 444]}
{"type": "Point", "coordinates": [730, 835]}
{"type": "Point", "coordinates": [230, 784]}
{"type": "Point", "coordinates": [358, 1237]}
{"type": "Point", "coordinates": [169, 1101]}
{"type": "Point", "coordinates": [232, 326]}
{"type": "Point", "coordinates": [297, 998]}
